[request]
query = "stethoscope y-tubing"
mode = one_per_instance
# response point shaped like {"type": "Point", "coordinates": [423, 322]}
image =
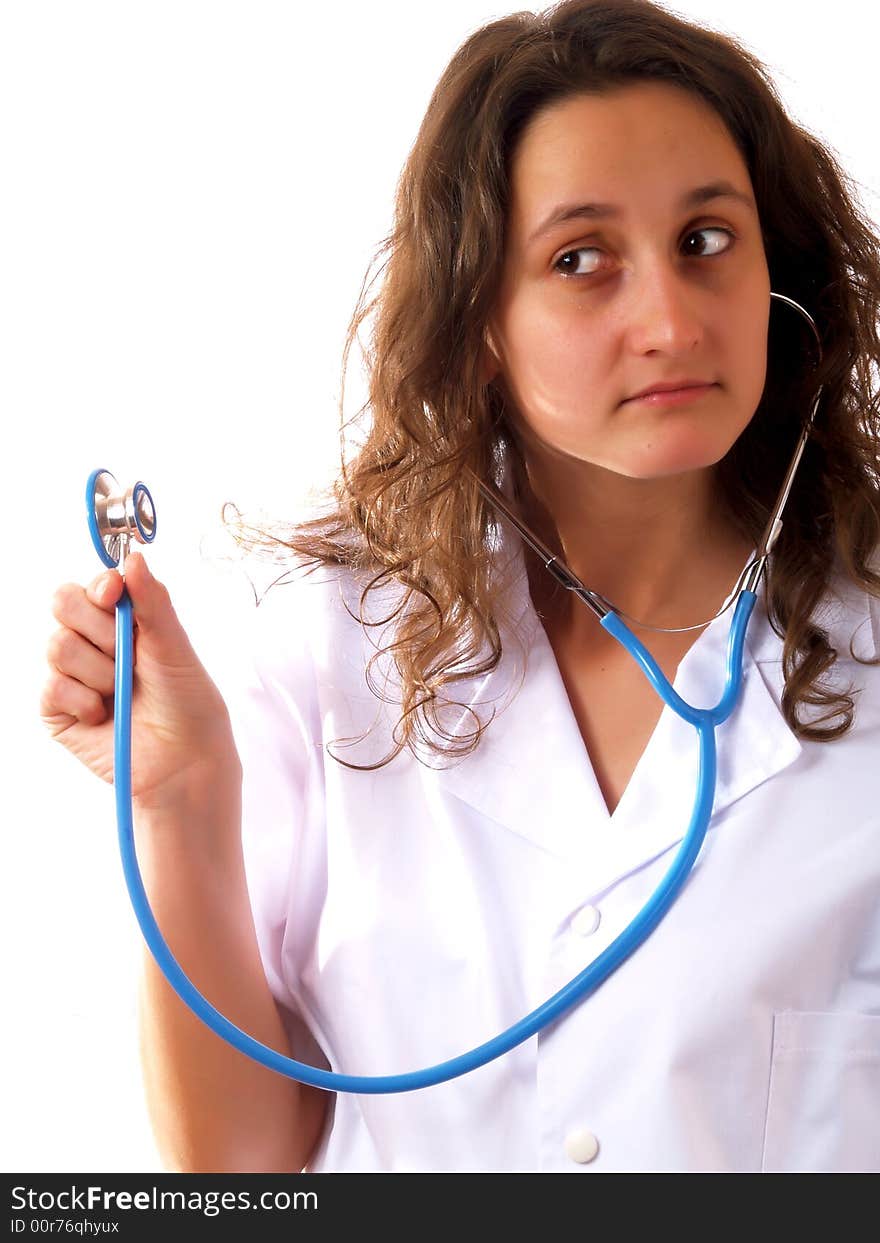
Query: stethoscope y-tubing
{"type": "Point", "coordinates": [703, 719]}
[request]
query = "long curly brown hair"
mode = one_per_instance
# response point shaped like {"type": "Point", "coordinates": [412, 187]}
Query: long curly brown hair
{"type": "Point", "coordinates": [405, 509]}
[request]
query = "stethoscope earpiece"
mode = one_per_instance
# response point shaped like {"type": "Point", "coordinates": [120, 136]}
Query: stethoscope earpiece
{"type": "Point", "coordinates": [116, 517]}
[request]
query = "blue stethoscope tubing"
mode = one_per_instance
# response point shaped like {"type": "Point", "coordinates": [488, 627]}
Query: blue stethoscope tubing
{"type": "Point", "coordinates": [704, 720]}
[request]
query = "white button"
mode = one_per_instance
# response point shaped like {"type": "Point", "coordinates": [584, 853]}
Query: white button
{"type": "Point", "coordinates": [585, 921]}
{"type": "Point", "coordinates": [581, 1145]}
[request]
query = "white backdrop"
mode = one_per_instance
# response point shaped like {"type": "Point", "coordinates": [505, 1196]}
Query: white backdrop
{"type": "Point", "coordinates": [191, 195]}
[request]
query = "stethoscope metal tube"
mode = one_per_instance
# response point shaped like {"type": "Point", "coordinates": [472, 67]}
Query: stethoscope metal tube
{"type": "Point", "coordinates": [116, 519]}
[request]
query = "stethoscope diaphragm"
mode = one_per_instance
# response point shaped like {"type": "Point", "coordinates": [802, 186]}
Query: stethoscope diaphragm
{"type": "Point", "coordinates": [116, 518]}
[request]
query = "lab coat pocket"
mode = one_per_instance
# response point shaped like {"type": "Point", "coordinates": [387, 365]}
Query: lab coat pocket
{"type": "Point", "coordinates": [823, 1108]}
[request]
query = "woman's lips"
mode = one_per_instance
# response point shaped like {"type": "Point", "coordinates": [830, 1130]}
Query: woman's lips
{"type": "Point", "coordinates": [674, 396]}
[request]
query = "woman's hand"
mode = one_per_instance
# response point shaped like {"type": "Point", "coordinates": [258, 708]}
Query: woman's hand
{"type": "Point", "coordinates": [181, 736]}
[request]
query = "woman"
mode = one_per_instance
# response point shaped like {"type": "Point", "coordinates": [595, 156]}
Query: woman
{"type": "Point", "coordinates": [406, 909]}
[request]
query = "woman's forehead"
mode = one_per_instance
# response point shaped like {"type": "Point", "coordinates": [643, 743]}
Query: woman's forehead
{"type": "Point", "coordinates": [600, 145]}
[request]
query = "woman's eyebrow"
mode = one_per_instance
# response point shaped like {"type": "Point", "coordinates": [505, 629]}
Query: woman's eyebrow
{"type": "Point", "coordinates": [593, 211]}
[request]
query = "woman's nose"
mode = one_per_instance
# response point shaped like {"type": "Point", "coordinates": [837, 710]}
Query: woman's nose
{"type": "Point", "coordinates": [664, 311]}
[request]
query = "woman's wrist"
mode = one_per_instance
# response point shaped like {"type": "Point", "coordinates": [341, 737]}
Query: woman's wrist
{"type": "Point", "coordinates": [200, 811]}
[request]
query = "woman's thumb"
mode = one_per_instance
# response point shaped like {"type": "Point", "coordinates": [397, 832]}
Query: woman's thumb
{"type": "Point", "coordinates": [154, 613]}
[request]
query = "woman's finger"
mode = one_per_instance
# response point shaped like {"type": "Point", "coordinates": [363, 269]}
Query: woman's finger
{"type": "Point", "coordinates": [89, 611]}
{"type": "Point", "coordinates": [77, 657]}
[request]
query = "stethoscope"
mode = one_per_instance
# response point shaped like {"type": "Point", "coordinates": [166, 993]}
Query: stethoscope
{"type": "Point", "coordinates": [117, 518]}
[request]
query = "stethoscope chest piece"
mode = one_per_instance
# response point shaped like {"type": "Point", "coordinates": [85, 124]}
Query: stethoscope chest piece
{"type": "Point", "coordinates": [118, 517]}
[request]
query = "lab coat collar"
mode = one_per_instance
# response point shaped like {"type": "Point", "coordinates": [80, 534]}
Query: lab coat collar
{"type": "Point", "coordinates": [531, 773]}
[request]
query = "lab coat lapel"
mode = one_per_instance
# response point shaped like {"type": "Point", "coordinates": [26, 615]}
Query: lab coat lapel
{"type": "Point", "coordinates": [752, 746]}
{"type": "Point", "coordinates": [531, 772]}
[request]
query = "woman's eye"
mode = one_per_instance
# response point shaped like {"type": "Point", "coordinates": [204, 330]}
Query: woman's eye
{"type": "Point", "coordinates": [585, 250]}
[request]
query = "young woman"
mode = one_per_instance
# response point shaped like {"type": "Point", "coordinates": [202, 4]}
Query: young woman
{"type": "Point", "coordinates": [447, 789]}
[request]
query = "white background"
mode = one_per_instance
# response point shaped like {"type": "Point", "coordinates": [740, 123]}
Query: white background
{"type": "Point", "coordinates": [192, 194]}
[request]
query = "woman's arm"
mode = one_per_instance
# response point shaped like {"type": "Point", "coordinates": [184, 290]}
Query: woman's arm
{"type": "Point", "coordinates": [212, 1108]}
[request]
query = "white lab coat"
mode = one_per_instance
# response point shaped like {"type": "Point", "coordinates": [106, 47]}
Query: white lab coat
{"type": "Point", "coordinates": [408, 914]}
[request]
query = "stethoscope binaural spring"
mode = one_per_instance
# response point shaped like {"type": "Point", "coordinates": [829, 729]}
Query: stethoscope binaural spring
{"type": "Point", "coordinates": [116, 519]}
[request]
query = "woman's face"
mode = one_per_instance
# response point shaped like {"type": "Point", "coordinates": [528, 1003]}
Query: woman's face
{"type": "Point", "coordinates": [595, 308]}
